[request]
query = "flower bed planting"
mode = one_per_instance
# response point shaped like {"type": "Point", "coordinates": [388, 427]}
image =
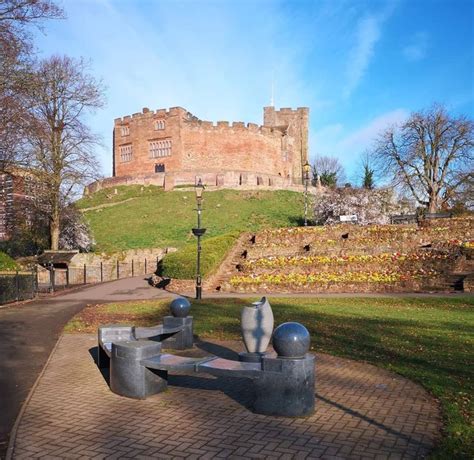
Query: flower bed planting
{"type": "Point", "coordinates": [307, 279]}
{"type": "Point", "coordinates": [274, 262]}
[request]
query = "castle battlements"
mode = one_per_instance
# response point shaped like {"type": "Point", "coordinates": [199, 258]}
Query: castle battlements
{"type": "Point", "coordinates": [231, 127]}
{"type": "Point", "coordinates": [147, 113]}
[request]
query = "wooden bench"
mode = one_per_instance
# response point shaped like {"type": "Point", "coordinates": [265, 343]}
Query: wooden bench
{"type": "Point", "coordinates": [438, 215]}
{"type": "Point", "coordinates": [403, 219]}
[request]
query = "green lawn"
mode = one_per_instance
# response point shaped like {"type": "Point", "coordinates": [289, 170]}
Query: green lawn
{"type": "Point", "coordinates": [429, 340]}
{"type": "Point", "coordinates": [154, 218]}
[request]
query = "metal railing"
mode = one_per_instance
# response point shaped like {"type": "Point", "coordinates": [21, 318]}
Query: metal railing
{"type": "Point", "coordinates": [16, 286]}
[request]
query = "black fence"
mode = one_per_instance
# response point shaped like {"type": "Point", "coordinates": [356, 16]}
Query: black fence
{"type": "Point", "coordinates": [17, 286]}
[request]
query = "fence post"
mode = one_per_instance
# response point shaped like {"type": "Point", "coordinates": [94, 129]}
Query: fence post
{"type": "Point", "coordinates": [33, 282]}
{"type": "Point", "coordinates": [133, 271]}
{"type": "Point", "coordinates": [85, 274]}
{"type": "Point", "coordinates": [101, 273]}
{"type": "Point", "coordinates": [67, 275]}
{"type": "Point", "coordinates": [51, 277]}
{"type": "Point", "coordinates": [118, 272]}
{"type": "Point", "coordinates": [145, 266]}
{"type": "Point", "coordinates": [17, 286]}
{"type": "Point", "coordinates": [157, 262]}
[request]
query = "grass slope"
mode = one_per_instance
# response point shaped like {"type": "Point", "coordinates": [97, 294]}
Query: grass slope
{"type": "Point", "coordinates": [182, 264]}
{"type": "Point", "coordinates": [428, 340]}
{"type": "Point", "coordinates": [155, 218]}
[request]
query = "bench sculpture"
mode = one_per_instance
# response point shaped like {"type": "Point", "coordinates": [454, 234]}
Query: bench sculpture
{"type": "Point", "coordinates": [283, 381]}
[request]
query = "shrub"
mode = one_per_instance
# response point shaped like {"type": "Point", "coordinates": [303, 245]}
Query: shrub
{"type": "Point", "coordinates": [7, 263]}
{"type": "Point", "coordinates": [182, 264]}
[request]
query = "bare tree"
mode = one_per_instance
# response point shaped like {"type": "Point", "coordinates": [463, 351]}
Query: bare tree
{"type": "Point", "coordinates": [16, 60]}
{"type": "Point", "coordinates": [329, 170]}
{"type": "Point", "coordinates": [62, 145]}
{"type": "Point", "coordinates": [431, 155]}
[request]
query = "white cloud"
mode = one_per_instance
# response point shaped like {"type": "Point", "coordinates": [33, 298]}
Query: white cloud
{"type": "Point", "coordinates": [367, 36]}
{"type": "Point", "coordinates": [362, 138]}
{"type": "Point", "coordinates": [347, 145]}
{"type": "Point", "coordinates": [417, 48]}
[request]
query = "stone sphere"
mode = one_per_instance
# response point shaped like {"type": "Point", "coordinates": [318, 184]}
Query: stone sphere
{"type": "Point", "coordinates": [180, 307]}
{"type": "Point", "coordinates": [291, 340]}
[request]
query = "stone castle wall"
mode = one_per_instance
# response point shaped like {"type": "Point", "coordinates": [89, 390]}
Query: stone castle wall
{"type": "Point", "coordinates": [173, 147]}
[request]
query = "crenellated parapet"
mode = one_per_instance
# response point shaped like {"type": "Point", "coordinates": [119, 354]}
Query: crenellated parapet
{"type": "Point", "coordinates": [146, 113]}
{"type": "Point", "coordinates": [224, 127]}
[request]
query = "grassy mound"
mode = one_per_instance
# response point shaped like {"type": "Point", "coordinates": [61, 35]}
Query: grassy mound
{"type": "Point", "coordinates": [143, 217]}
{"type": "Point", "coordinates": [7, 263]}
{"type": "Point", "coordinates": [182, 264]}
{"type": "Point", "coordinates": [428, 340]}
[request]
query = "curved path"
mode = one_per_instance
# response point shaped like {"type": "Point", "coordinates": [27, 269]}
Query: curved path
{"type": "Point", "coordinates": [28, 333]}
{"type": "Point", "coordinates": [362, 412]}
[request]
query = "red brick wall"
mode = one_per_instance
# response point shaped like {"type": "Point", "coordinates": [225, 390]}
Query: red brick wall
{"type": "Point", "coordinates": [232, 147]}
{"type": "Point", "coordinates": [142, 130]}
{"type": "Point", "coordinates": [296, 122]}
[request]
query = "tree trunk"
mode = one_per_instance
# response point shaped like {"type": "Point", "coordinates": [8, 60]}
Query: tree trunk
{"type": "Point", "coordinates": [54, 232]}
{"type": "Point", "coordinates": [433, 204]}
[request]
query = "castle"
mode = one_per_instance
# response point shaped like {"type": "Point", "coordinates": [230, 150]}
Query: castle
{"type": "Point", "coordinates": [173, 147]}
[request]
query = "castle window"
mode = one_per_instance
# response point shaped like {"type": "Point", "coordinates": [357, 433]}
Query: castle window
{"type": "Point", "coordinates": [125, 130]}
{"type": "Point", "coordinates": [159, 124]}
{"type": "Point", "coordinates": [160, 167]}
{"type": "Point", "coordinates": [125, 153]}
{"type": "Point", "coordinates": [159, 149]}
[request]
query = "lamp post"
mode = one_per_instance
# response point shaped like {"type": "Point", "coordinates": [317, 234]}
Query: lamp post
{"type": "Point", "coordinates": [198, 232]}
{"type": "Point", "coordinates": [306, 168]}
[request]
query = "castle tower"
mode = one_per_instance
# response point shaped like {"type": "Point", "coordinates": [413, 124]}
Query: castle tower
{"type": "Point", "coordinates": [295, 124]}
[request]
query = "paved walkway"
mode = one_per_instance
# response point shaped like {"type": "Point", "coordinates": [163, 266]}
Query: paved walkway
{"type": "Point", "coordinates": [362, 412]}
{"type": "Point", "coordinates": [28, 333]}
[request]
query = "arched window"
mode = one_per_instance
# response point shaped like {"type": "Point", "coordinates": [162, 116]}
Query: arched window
{"type": "Point", "coordinates": [159, 125]}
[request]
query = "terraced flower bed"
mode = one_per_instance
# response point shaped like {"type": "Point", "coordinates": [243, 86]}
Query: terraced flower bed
{"type": "Point", "coordinates": [345, 258]}
{"type": "Point", "coordinates": [460, 229]}
{"type": "Point", "coordinates": [275, 262]}
{"type": "Point", "coordinates": [361, 281]}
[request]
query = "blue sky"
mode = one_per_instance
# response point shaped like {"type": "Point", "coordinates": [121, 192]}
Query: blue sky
{"type": "Point", "coordinates": [358, 65]}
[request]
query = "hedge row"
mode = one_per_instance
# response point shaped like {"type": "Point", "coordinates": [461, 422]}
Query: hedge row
{"type": "Point", "coordinates": [182, 264]}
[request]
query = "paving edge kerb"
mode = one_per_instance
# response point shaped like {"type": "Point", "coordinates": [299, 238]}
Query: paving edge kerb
{"type": "Point", "coordinates": [13, 433]}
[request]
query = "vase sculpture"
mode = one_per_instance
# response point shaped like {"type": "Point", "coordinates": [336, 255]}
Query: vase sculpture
{"type": "Point", "coordinates": [257, 326]}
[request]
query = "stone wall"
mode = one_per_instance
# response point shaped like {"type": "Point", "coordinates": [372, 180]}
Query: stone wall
{"type": "Point", "coordinates": [95, 268]}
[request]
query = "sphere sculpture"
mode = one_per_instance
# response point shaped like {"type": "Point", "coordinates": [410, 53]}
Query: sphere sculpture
{"type": "Point", "coordinates": [180, 307]}
{"type": "Point", "coordinates": [291, 340]}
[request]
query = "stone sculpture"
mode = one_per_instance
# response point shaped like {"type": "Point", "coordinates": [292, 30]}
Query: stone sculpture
{"type": "Point", "coordinates": [283, 381]}
{"type": "Point", "coordinates": [256, 323]}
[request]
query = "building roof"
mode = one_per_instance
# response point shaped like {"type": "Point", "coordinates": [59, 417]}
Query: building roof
{"type": "Point", "coordinates": [56, 257]}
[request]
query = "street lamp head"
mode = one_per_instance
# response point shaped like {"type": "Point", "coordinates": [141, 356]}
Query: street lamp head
{"type": "Point", "coordinates": [199, 188]}
{"type": "Point", "coordinates": [306, 169]}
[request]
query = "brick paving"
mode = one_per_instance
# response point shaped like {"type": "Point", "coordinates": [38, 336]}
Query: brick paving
{"type": "Point", "coordinates": [361, 412]}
